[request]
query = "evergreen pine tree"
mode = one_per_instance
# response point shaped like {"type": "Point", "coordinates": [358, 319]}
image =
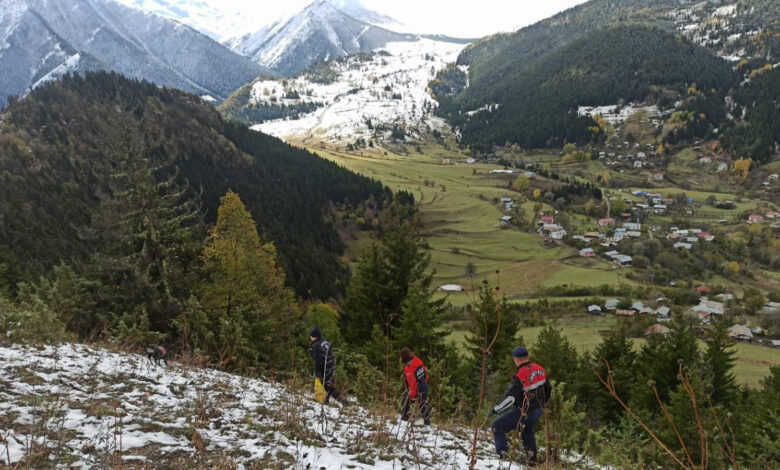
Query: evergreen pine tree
{"type": "Point", "coordinates": [248, 306]}
{"type": "Point", "coordinates": [384, 275]}
{"type": "Point", "coordinates": [617, 351]}
{"type": "Point", "coordinates": [659, 361]}
{"type": "Point", "coordinates": [421, 328]}
{"type": "Point", "coordinates": [555, 353]}
{"type": "Point", "coordinates": [492, 319]}
{"type": "Point", "coordinates": [367, 297]}
{"type": "Point", "coordinates": [719, 360]}
{"type": "Point", "coordinates": [145, 238]}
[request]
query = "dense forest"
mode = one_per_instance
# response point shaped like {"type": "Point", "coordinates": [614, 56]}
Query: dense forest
{"type": "Point", "coordinates": [758, 136]}
{"type": "Point", "coordinates": [62, 146]}
{"type": "Point", "coordinates": [535, 103]}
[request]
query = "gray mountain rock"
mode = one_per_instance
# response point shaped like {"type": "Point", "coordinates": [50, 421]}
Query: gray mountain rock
{"type": "Point", "coordinates": [324, 30]}
{"type": "Point", "coordinates": [42, 39]}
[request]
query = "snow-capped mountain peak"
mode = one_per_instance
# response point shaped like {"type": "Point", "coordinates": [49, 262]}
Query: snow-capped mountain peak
{"type": "Point", "coordinates": [324, 30]}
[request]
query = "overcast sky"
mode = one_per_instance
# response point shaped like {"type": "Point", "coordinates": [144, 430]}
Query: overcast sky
{"type": "Point", "coordinates": [456, 18]}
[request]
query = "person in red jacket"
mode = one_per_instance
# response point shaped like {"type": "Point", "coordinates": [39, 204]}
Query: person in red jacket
{"type": "Point", "coordinates": [523, 406]}
{"type": "Point", "coordinates": [416, 378]}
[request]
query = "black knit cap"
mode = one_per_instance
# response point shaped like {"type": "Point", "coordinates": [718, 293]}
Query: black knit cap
{"type": "Point", "coordinates": [316, 332]}
{"type": "Point", "coordinates": [406, 355]}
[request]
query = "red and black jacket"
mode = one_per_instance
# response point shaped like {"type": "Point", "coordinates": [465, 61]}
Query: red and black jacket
{"type": "Point", "coordinates": [530, 383]}
{"type": "Point", "coordinates": [416, 376]}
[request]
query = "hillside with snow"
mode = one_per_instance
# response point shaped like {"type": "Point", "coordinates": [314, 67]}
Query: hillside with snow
{"type": "Point", "coordinates": [363, 93]}
{"type": "Point", "coordinates": [84, 407]}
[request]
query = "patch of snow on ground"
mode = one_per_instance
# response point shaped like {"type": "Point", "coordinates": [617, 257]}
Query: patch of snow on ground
{"type": "Point", "coordinates": [728, 10]}
{"type": "Point", "coordinates": [71, 397]}
{"type": "Point", "coordinates": [70, 64]}
{"type": "Point", "coordinates": [616, 115]}
{"type": "Point", "coordinates": [363, 92]}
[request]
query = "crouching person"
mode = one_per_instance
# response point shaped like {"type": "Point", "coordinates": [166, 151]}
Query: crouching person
{"type": "Point", "coordinates": [155, 354]}
{"type": "Point", "coordinates": [324, 364]}
{"type": "Point", "coordinates": [523, 406]}
{"type": "Point", "coordinates": [416, 378]}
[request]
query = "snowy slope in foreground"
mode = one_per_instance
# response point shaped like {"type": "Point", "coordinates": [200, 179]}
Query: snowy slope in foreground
{"type": "Point", "coordinates": [70, 397]}
{"type": "Point", "coordinates": [363, 91]}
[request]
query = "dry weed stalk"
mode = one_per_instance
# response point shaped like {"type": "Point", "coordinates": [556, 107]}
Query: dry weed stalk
{"type": "Point", "coordinates": [685, 382]}
{"type": "Point", "coordinates": [485, 349]}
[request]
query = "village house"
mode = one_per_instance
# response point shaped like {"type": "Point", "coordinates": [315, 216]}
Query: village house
{"type": "Point", "coordinates": [706, 236]}
{"type": "Point", "coordinates": [582, 238]}
{"type": "Point", "coordinates": [682, 246]}
{"type": "Point", "coordinates": [445, 161]}
{"type": "Point", "coordinates": [624, 260]}
{"type": "Point", "coordinates": [611, 304]}
{"type": "Point", "coordinates": [755, 219]}
{"type": "Point", "coordinates": [558, 234]}
{"type": "Point", "coordinates": [722, 167]}
{"type": "Point", "coordinates": [772, 215]}
{"type": "Point", "coordinates": [506, 200]}
{"type": "Point", "coordinates": [506, 219]}
{"type": "Point", "coordinates": [606, 222]}
{"type": "Point", "coordinates": [770, 307]}
{"type": "Point", "coordinates": [548, 219]}
{"type": "Point", "coordinates": [705, 160]}
{"type": "Point", "coordinates": [659, 209]}
{"type": "Point", "coordinates": [626, 313]}
{"type": "Point", "coordinates": [594, 310]}
{"type": "Point", "coordinates": [706, 309]}
{"type": "Point", "coordinates": [587, 253]}
{"type": "Point", "coordinates": [632, 226]}
{"type": "Point", "coordinates": [657, 329]}
{"type": "Point", "coordinates": [663, 313]}
{"type": "Point", "coordinates": [646, 310]}
{"type": "Point", "coordinates": [773, 178]}
{"type": "Point", "coordinates": [740, 333]}
{"type": "Point", "coordinates": [658, 177]}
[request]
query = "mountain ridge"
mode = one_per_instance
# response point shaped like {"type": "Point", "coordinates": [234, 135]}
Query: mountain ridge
{"type": "Point", "coordinates": [319, 32]}
{"type": "Point", "coordinates": [43, 36]}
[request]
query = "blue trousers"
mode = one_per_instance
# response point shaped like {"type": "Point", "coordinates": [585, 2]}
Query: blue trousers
{"type": "Point", "coordinates": [508, 422]}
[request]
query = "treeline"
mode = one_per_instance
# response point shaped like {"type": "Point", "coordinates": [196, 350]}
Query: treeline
{"type": "Point", "coordinates": [538, 99]}
{"type": "Point", "coordinates": [60, 150]}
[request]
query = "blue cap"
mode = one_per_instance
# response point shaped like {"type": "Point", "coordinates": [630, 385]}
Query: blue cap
{"type": "Point", "coordinates": [520, 351]}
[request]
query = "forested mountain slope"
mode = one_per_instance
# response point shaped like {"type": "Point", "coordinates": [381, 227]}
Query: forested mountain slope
{"type": "Point", "coordinates": [535, 103]}
{"type": "Point", "coordinates": [59, 151]}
